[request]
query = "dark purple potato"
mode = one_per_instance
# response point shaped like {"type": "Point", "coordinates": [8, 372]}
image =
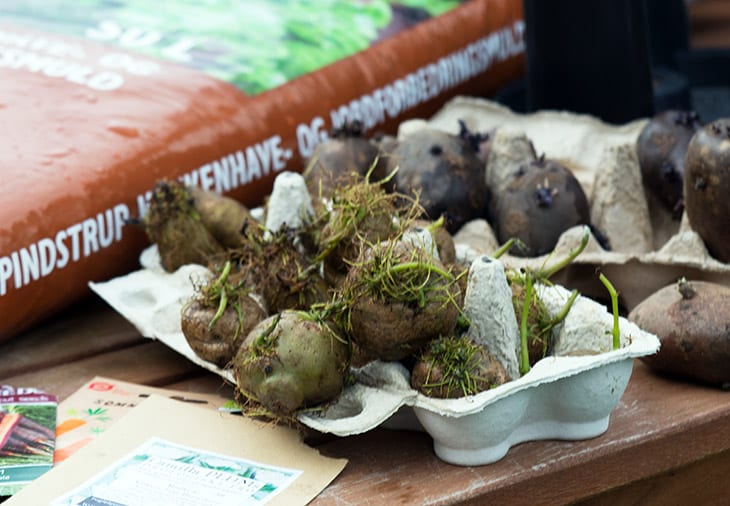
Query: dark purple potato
{"type": "Point", "coordinates": [543, 201]}
{"type": "Point", "coordinates": [707, 187]}
{"type": "Point", "coordinates": [343, 158]}
{"type": "Point", "coordinates": [399, 298]}
{"type": "Point", "coordinates": [661, 147]}
{"type": "Point", "coordinates": [446, 173]}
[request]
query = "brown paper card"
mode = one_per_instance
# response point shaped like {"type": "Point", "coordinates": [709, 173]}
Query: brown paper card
{"type": "Point", "coordinates": [199, 428]}
{"type": "Point", "coordinates": [101, 402]}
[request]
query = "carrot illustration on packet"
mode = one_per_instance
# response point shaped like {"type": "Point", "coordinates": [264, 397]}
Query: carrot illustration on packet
{"type": "Point", "coordinates": [80, 419]}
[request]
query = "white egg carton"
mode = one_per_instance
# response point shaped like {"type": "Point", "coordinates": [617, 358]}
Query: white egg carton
{"type": "Point", "coordinates": [568, 407]}
{"type": "Point", "coordinates": [564, 397]}
{"type": "Point", "coordinates": [561, 397]}
{"type": "Point", "coordinates": [568, 398]}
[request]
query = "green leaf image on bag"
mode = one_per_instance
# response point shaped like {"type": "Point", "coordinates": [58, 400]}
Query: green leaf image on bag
{"type": "Point", "coordinates": [255, 45]}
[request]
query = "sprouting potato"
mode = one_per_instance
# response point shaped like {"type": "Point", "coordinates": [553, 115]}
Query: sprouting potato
{"type": "Point", "coordinates": [451, 367]}
{"type": "Point", "coordinates": [362, 213]}
{"type": "Point", "coordinates": [291, 360]}
{"type": "Point", "coordinates": [399, 298]}
{"type": "Point", "coordinates": [174, 224]}
{"type": "Point", "coordinates": [217, 319]}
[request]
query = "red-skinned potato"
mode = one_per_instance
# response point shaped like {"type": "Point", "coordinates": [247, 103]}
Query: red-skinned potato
{"type": "Point", "coordinates": [692, 322]}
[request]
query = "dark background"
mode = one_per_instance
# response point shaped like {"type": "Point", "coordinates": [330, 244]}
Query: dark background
{"type": "Point", "coordinates": [625, 59]}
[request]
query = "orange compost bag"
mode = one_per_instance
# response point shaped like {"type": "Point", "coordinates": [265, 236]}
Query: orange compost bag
{"type": "Point", "coordinates": [94, 112]}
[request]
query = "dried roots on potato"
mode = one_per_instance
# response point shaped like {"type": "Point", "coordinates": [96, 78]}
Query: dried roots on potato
{"type": "Point", "coordinates": [290, 361]}
{"type": "Point", "coordinates": [216, 321]}
{"type": "Point", "coordinates": [452, 367]}
{"type": "Point", "coordinates": [399, 298]}
{"type": "Point", "coordinates": [279, 269]}
{"type": "Point", "coordinates": [173, 222]}
{"type": "Point", "coordinates": [288, 278]}
{"type": "Point", "coordinates": [360, 214]}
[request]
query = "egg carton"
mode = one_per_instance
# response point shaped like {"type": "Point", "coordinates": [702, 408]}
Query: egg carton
{"type": "Point", "coordinates": [649, 249]}
{"type": "Point", "coordinates": [565, 397]}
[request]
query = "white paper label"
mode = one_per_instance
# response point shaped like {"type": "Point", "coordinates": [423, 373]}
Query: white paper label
{"type": "Point", "coordinates": [163, 473]}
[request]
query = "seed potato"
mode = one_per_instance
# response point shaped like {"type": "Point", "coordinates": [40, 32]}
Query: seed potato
{"type": "Point", "coordinates": [543, 200]}
{"type": "Point", "coordinates": [661, 148]}
{"type": "Point", "coordinates": [707, 187]}
{"type": "Point", "coordinates": [692, 322]}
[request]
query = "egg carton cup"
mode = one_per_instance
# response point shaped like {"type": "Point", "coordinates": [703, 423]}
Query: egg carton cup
{"type": "Point", "coordinates": [649, 249]}
{"type": "Point", "coordinates": [564, 397]}
{"type": "Point", "coordinates": [567, 398]}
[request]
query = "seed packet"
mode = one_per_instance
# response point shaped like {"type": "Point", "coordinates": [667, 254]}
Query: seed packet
{"type": "Point", "coordinates": [101, 402]}
{"type": "Point", "coordinates": [164, 451]}
{"type": "Point", "coordinates": [27, 436]}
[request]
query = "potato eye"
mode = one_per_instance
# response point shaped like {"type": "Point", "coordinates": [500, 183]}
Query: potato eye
{"type": "Point", "coordinates": [544, 197]}
{"type": "Point", "coordinates": [669, 172]}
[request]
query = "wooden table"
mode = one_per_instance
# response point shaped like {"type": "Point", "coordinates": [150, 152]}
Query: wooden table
{"type": "Point", "coordinates": [668, 442]}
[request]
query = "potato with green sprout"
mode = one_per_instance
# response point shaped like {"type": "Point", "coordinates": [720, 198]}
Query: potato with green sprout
{"type": "Point", "coordinates": [399, 298]}
{"type": "Point", "coordinates": [291, 360]}
{"type": "Point", "coordinates": [451, 367]}
{"type": "Point", "coordinates": [220, 315]}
